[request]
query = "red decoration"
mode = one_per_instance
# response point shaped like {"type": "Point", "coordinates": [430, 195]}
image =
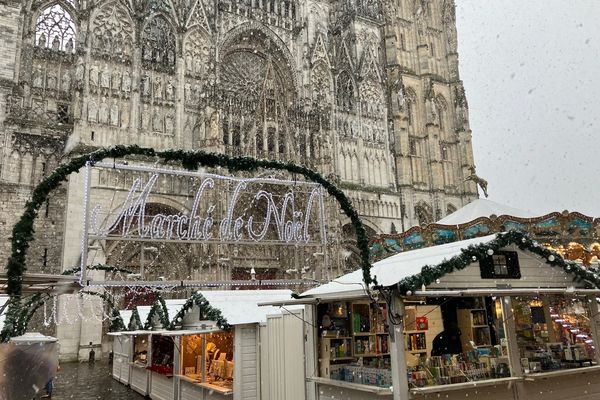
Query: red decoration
{"type": "Point", "coordinates": [422, 323]}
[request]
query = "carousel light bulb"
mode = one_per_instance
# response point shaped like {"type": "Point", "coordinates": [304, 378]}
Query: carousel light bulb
{"type": "Point", "coordinates": [490, 252]}
{"type": "Point", "coordinates": [551, 258]}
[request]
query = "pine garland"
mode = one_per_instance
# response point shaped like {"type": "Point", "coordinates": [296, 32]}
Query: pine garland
{"type": "Point", "coordinates": [97, 267]}
{"type": "Point", "coordinates": [135, 322]}
{"type": "Point", "coordinates": [159, 308]}
{"type": "Point", "coordinates": [430, 274]}
{"type": "Point", "coordinates": [206, 310]}
{"type": "Point", "coordinates": [22, 232]}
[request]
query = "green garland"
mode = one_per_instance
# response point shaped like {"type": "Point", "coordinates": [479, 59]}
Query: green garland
{"type": "Point", "coordinates": [22, 232]}
{"type": "Point", "coordinates": [27, 312]}
{"type": "Point", "coordinates": [430, 274]}
{"type": "Point", "coordinates": [97, 267]}
{"type": "Point", "coordinates": [206, 310]}
{"type": "Point", "coordinates": [159, 307]}
{"type": "Point", "coordinates": [135, 322]}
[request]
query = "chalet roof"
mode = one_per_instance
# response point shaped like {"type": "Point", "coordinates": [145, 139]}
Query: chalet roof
{"type": "Point", "coordinates": [482, 208]}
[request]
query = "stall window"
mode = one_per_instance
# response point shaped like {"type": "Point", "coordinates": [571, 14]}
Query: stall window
{"type": "Point", "coordinates": [455, 340]}
{"type": "Point", "coordinates": [140, 349]}
{"type": "Point", "coordinates": [208, 358]}
{"type": "Point", "coordinates": [501, 265]}
{"type": "Point", "coordinates": [162, 354]}
{"type": "Point", "coordinates": [354, 343]}
{"type": "Point", "coordinates": [553, 332]}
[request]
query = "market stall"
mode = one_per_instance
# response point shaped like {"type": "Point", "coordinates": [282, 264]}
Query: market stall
{"type": "Point", "coordinates": [139, 376]}
{"type": "Point", "coordinates": [218, 363]}
{"type": "Point", "coordinates": [497, 317]}
{"type": "Point", "coordinates": [121, 356]}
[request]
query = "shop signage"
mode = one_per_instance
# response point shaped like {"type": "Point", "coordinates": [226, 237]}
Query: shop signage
{"type": "Point", "coordinates": [128, 203]}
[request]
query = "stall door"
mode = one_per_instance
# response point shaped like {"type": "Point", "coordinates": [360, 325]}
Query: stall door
{"type": "Point", "coordinates": [246, 363]}
{"type": "Point", "coordinates": [282, 357]}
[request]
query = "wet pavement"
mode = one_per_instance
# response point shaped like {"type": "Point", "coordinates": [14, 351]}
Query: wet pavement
{"type": "Point", "coordinates": [90, 382]}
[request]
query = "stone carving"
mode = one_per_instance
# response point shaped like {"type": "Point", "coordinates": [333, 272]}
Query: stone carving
{"type": "Point", "coordinates": [125, 116]}
{"type": "Point", "coordinates": [145, 83]}
{"type": "Point", "coordinates": [66, 82]}
{"type": "Point", "coordinates": [56, 43]}
{"type": "Point", "coordinates": [38, 77]}
{"type": "Point", "coordinates": [94, 76]}
{"type": "Point", "coordinates": [92, 111]}
{"type": "Point", "coordinates": [126, 82]}
{"type": "Point", "coordinates": [170, 90]}
{"type": "Point", "coordinates": [112, 32]}
{"type": "Point", "coordinates": [114, 113]}
{"type": "Point", "coordinates": [42, 40]}
{"type": "Point", "coordinates": [105, 78]}
{"type": "Point", "coordinates": [103, 111]}
{"type": "Point", "coordinates": [157, 123]}
{"type": "Point", "coordinates": [159, 43]}
{"type": "Point", "coordinates": [116, 80]}
{"type": "Point", "coordinates": [146, 117]}
{"type": "Point", "coordinates": [157, 90]}
{"type": "Point", "coordinates": [169, 123]}
{"type": "Point", "coordinates": [69, 45]}
{"type": "Point", "coordinates": [197, 53]}
{"type": "Point", "coordinates": [79, 72]}
{"type": "Point", "coordinates": [51, 80]}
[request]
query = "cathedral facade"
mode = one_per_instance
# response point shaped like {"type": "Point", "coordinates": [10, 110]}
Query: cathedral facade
{"type": "Point", "coordinates": [365, 91]}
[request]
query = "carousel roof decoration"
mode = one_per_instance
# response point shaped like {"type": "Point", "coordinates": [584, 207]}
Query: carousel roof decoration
{"type": "Point", "coordinates": [410, 271]}
{"type": "Point", "coordinates": [571, 235]}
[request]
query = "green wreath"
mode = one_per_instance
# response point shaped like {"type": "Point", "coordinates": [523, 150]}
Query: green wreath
{"type": "Point", "coordinates": [22, 233]}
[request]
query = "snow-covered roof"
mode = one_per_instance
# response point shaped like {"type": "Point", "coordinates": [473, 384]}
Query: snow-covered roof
{"type": "Point", "coordinates": [3, 301]}
{"type": "Point", "coordinates": [241, 306]}
{"type": "Point", "coordinates": [33, 337]}
{"type": "Point", "coordinates": [126, 316]}
{"type": "Point", "coordinates": [482, 208]}
{"type": "Point", "coordinates": [143, 312]}
{"type": "Point", "coordinates": [173, 306]}
{"type": "Point", "coordinates": [392, 270]}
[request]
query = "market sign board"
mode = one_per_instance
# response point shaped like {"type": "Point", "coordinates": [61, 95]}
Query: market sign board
{"type": "Point", "coordinates": [131, 208]}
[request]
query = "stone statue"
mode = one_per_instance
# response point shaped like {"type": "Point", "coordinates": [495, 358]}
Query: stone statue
{"type": "Point", "coordinates": [158, 87]}
{"type": "Point", "coordinates": [51, 83]}
{"type": "Point", "coordinates": [432, 112]}
{"type": "Point", "coordinates": [126, 82]}
{"type": "Point", "coordinates": [69, 46]}
{"type": "Point", "coordinates": [103, 112]}
{"type": "Point", "coordinates": [94, 76]}
{"type": "Point", "coordinates": [169, 123]}
{"type": "Point", "coordinates": [66, 82]}
{"type": "Point", "coordinates": [38, 77]}
{"type": "Point", "coordinates": [477, 180]}
{"type": "Point", "coordinates": [79, 71]}
{"type": "Point", "coordinates": [56, 43]}
{"type": "Point", "coordinates": [92, 111]}
{"type": "Point", "coordinates": [116, 79]}
{"type": "Point", "coordinates": [145, 117]}
{"type": "Point", "coordinates": [188, 93]}
{"type": "Point", "coordinates": [125, 116]}
{"type": "Point", "coordinates": [114, 113]}
{"type": "Point", "coordinates": [105, 78]}
{"type": "Point", "coordinates": [42, 40]}
{"type": "Point", "coordinates": [145, 82]}
{"type": "Point", "coordinates": [170, 90]}
{"type": "Point", "coordinates": [157, 123]}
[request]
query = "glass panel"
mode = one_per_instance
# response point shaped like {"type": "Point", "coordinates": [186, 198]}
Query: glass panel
{"type": "Point", "coordinates": [553, 332]}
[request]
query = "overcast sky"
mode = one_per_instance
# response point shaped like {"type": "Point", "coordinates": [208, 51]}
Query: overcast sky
{"type": "Point", "coordinates": [531, 70]}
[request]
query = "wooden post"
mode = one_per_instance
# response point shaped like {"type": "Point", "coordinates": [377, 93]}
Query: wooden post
{"type": "Point", "coordinates": [399, 378]}
{"type": "Point", "coordinates": [595, 323]}
{"type": "Point", "coordinates": [514, 356]}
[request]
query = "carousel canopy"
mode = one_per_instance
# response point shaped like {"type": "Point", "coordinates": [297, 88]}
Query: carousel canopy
{"type": "Point", "coordinates": [482, 208]}
{"type": "Point", "coordinates": [392, 270]}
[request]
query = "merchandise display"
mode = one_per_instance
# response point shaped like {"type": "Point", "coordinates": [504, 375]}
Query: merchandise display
{"type": "Point", "coordinates": [207, 358]}
{"type": "Point", "coordinates": [140, 349]}
{"type": "Point", "coordinates": [354, 342]}
{"type": "Point", "coordinates": [553, 332]}
{"type": "Point", "coordinates": [162, 355]}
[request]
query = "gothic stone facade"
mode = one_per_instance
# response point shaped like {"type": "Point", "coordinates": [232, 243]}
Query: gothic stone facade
{"type": "Point", "coordinates": [365, 91]}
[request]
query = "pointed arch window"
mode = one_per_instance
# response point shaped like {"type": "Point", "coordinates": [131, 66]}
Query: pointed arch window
{"type": "Point", "coordinates": [55, 29]}
{"type": "Point", "coordinates": [345, 92]}
{"type": "Point", "coordinates": [158, 46]}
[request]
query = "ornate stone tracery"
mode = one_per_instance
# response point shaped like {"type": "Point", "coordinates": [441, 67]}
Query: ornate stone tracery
{"type": "Point", "coordinates": [113, 33]}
